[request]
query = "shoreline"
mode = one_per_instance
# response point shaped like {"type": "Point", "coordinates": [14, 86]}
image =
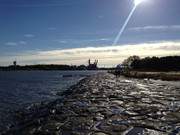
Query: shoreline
{"type": "Point", "coordinates": [103, 104]}
{"type": "Point", "coordinates": [31, 111]}
{"type": "Point", "coordinates": [165, 76]}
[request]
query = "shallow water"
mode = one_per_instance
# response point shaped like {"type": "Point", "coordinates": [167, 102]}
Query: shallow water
{"type": "Point", "coordinates": [21, 88]}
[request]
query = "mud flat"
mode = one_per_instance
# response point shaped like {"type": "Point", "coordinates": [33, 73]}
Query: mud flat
{"type": "Point", "coordinates": [105, 105]}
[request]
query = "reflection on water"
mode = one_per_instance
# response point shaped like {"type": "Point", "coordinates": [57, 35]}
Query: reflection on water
{"type": "Point", "coordinates": [24, 87]}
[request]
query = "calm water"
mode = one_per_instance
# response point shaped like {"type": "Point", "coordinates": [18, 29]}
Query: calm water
{"type": "Point", "coordinates": [20, 88]}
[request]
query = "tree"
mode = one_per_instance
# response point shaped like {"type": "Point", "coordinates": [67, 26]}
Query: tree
{"type": "Point", "coordinates": [128, 62]}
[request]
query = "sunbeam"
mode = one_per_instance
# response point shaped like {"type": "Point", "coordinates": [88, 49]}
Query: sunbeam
{"type": "Point", "coordinates": [136, 3]}
{"type": "Point", "coordinates": [124, 26]}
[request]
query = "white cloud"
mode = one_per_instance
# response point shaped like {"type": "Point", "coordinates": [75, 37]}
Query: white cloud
{"type": "Point", "coordinates": [96, 40]}
{"type": "Point", "coordinates": [104, 39]}
{"type": "Point", "coordinates": [37, 5]}
{"type": "Point", "coordinates": [157, 28]}
{"type": "Point", "coordinates": [109, 55]}
{"type": "Point", "coordinates": [81, 41]}
{"type": "Point", "coordinates": [16, 43]}
{"type": "Point", "coordinates": [61, 41]}
{"type": "Point", "coordinates": [11, 44]}
{"type": "Point", "coordinates": [29, 35]}
{"type": "Point", "coordinates": [22, 42]}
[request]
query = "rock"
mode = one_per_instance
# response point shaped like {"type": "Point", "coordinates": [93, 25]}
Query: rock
{"type": "Point", "coordinates": [134, 131]}
{"type": "Point", "coordinates": [105, 105]}
{"type": "Point", "coordinates": [117, 102]}
{"type": "Point", "coordinates": [100, 133]}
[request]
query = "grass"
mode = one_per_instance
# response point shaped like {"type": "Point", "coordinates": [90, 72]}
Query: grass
{"type": "Point", "coordinates": [168, 76]}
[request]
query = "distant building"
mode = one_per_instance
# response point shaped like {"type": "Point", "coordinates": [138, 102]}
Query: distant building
{"type": "Point", "coordinates": [14, 63]}
{"type": "Point", "coordinates": [92, 66]}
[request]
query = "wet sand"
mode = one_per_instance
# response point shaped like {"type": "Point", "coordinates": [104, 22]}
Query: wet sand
{"type": "Point", "coordinates": [103, 104]}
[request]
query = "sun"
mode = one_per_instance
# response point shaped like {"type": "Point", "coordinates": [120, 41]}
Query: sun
{"type": "Point", "coordinates": [137, 2]}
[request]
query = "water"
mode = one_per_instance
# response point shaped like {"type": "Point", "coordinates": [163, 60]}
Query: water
{"type": "Point", "coordinates": [21, 88]}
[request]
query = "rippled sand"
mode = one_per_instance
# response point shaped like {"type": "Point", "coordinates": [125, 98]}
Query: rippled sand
{"type": "Point", "coordinates": [105, 105]}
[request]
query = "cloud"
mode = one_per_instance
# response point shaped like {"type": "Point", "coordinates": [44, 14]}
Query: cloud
{"type": "Point", "coordinates": [36, 5]}
{"type": "Point", "coordinates": [61, 41]}
{"type": "Point", "coordinates": [109, 55]}
{"type": "Point", "coordinates": [96, 40]}
{"type": "Point", "coordinates": [11, 44]}
{"type": "Point", "coordinates": [22, 42]}
{"type": "Point", "coordinates": [15, 43]}
{"type": "Point", "coordinates": [104, 39]}
{"type": "Point", "coordinates": [80, 41]}
{"type": "Point", "coordinates": [157, 28]}
{"type": "Point", "coordinates": [29, 35]}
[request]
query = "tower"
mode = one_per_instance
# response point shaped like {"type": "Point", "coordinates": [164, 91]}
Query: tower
{"type": "Point", "coordinates": [89, 62]}
{"type": "Point", "coordinates": [14, 63]}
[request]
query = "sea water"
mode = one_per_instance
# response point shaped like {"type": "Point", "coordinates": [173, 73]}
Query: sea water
{"type": "Point", "coordinates": [21, 88]}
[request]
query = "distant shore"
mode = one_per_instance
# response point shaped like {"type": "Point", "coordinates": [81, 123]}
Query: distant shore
{"type": "Point", "coordinates": [50, 67]}
{"type": "Point", "coordinates": [167, 76]}
{"type": "Point", "coordinates": [104, 104]}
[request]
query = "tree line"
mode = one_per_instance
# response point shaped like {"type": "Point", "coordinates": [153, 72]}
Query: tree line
{"type": "Point", "coordinates": [168, 63]}
{"type": "Point", "coordinates": [45, 67]}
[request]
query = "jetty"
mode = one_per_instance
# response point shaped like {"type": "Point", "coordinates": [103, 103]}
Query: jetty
{"type": "Point", "coordinates": [104, 104]}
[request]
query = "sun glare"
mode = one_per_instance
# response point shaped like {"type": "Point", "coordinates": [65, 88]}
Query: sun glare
{"type": "Point", "coordinates": [137, 2]}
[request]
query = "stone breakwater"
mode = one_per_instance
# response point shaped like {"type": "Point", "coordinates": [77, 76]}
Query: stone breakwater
{"type": "Point", "coordinates": [105, 105]}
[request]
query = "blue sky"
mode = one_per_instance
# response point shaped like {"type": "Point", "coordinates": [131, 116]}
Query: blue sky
{"type": "Point", "coordinates": [30, 29]}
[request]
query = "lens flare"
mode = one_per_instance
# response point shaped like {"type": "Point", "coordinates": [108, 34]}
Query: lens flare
{"type": "Point", "coordinates": [136, 3]}
{"type": "Point", "coordinates": [124, 26]}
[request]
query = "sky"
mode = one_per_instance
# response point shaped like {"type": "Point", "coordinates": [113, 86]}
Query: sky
{"type": "Point", "coordinates": [72, 31]}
